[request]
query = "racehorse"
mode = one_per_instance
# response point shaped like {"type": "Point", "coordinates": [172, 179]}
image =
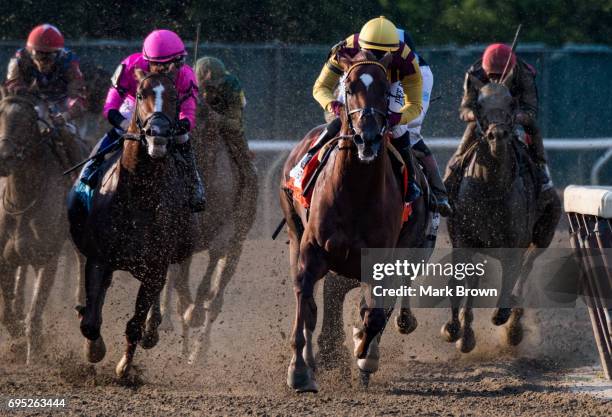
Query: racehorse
{"type": "Point", "coordinates": [498, 205]}
{"type": "Point", "coordinates": [357, 202]}
{"type": "Point", "coordinates": [33, 223]}
{"type": "Point", "coordinates": [231, 188]}
{"type": "Point", "coordinates": [137, 220]}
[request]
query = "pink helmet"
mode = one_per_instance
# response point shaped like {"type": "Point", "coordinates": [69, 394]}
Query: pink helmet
{"type": "Point", "coordinates": [162, 46]}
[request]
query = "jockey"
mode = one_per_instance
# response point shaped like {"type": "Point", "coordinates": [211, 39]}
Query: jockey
{"type": "Point", "coordinates": [222, 92]}
{"type": "Point", "coordinates": [163, 52]}
{"type": "Point", "coordinates": [520, 81]}
{"type": "Point", "coordinates": [47, 71]}
{"type": "Point", "coordinates": [380, 36]}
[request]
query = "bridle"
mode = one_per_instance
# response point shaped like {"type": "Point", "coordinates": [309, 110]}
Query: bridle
{"type": "Point", "coordinates": [363, 111]}
{"type": "Point", "coordinates": [21, 153]}
{"type": "Point", "coordinates": [143, 129]}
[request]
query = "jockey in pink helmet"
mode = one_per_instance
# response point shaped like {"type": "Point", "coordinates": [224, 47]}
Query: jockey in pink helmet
{"type": "Point", "coordinates": [163, 51]}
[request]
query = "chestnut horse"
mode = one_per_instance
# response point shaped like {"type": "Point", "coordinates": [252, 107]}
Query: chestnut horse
{"type": "Point", "coordinates": [138, 220]}
{"type": "Point", "coordinates": [357, 203]}
{"type": "Point", "coordinates": [497, 206]}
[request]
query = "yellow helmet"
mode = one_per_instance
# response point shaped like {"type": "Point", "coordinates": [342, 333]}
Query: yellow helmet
{"type": "Point", "coordinates": [379, 33]}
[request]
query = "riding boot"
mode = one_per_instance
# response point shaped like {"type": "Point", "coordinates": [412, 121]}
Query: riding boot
{"type": "Point", "coordinates": [197, 195]}
{"type": "Point", "coordinates": [331, 131]}
{"type": "Point", "coordinates": [430, 166]}
{"type": "Point", "coordinates": [452, 176]}
{"type": "Point", "coordinates": [536, 148]}
{"type": "Point", "coordinates": [110, 142]}
{"type": "Point", "coordinates": [402, 144]}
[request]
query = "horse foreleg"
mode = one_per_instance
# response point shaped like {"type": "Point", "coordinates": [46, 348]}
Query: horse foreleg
{"type": "Point", "coordinates": [98, 278]}
{"type": "Point", "coordinates": [332, 352]}
{"type": "Point", "coordinates": [7, 286]}
{"type": "Point", "coordinates": [511, 267]}
{"type": "Point", "coordinates": [19, 292]}
{"type": "Point", "coordinates": [300, 375]}
{"type": "Point", "coordinates": [154, 319]}
{"type": "Point", "coordinates": [214, 301]}
{"type": "Point", "coordinates": [195, 315]}
{"type": "Point", "coordinates": [367, 337]}
{"type": "Point", "coordinates": [45, 277]}
{"type": "Point", "coordinates": [166, 298]}
{"type": "Point", "coordinates": [79, 293]}
{"type": "Point", "coordinates": [150, 288]}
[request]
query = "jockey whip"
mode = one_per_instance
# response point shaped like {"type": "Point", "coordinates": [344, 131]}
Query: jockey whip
{"type": "Point", "coordinates": [197, 41]}
{"type": "Point", "coordinates": [513, 48]}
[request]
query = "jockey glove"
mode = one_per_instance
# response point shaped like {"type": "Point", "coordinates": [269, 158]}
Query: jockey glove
{"type": "Point", "coordinates": [182, 127]}
{"type": "Point", "coordinates": [336, 107]}
{"type": "Point", "coordinates": [115, 118]}
{"type": "Point", "coordinates": [393, 119]}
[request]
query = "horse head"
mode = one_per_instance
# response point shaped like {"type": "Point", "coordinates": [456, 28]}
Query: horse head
{"type": "Point", "coordinates": [19, 131]}
{"type": "Point", "coordinates": [154, 119]}
{"type": "Point", "coordinates": [495, 112]}
{"type": "Point", "coordinates": [365, 97]}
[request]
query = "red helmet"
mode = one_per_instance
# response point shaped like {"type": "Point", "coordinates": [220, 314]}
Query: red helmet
{"type": "Point", "coordinates": [495, 58]}
{"type": "Point", "coordinates": [45, 38]}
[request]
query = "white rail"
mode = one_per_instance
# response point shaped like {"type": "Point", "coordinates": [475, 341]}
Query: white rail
{"type": "Point", "coordinates": [452, 143]}
{"type": "Point", "coordinates": [557, 144]}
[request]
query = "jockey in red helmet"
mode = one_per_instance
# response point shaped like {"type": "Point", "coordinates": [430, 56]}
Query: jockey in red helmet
{"type": "Point", "coordinates": [46, 69]}
{"type": "Point", "coordinates": [519, 78]}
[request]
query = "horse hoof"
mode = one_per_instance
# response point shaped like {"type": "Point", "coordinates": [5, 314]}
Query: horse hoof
{"type": "Point", "coordinates": [514, 334]}
{"type": "Point", "coordinates": [451, 331]}
{"type": "Point", "coordinates": [94, 350]}
{"type": "Point", "coordinates": [123, 367]}
{"type": "Point", "coordinates": [301, 381]}
{"type": "Point", "coordinates": [406, 323]}
{"type": "Point", "coordinates": [194, 315]}
{"type": "Point", "coordinates": [501, 316]}
{"type": "Point", "coordinates": [149, 339]}
{"type": "Point", "coordinates": [467, 341]}
{"type": "Point", "coordinates": [364, 378]}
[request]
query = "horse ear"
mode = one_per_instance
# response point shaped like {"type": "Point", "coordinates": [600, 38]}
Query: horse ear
{"type": "Point", "coordinates": [139, 74]}
{"type": "Point", "coordinates": [344, 60]}
{"type": "Point", "coordinates": [386, 59]}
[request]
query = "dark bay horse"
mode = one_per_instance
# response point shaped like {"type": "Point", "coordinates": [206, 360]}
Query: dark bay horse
{"type": "Point", "coordinates": [357, 203]}
{"type": "Point", "coordinates": [498, 206]}
{"type": "Point", "coordinates": [138, 220]}
{"type": "Point", "coordinates": [231, 187]}
{"type": "Point", "coordinates": [33, 223]}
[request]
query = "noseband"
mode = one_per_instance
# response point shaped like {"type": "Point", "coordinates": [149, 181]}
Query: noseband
{"type": "Point", "coordinates": [363, 111]}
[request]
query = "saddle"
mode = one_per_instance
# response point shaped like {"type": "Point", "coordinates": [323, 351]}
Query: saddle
{"type": "Point", "coordinates": [526, 167]}
{"type": "Point", "coordinates": [302, 188]}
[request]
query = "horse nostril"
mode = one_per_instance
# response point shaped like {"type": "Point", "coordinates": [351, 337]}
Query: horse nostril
{"type": "Point", "coordinates": [358, 139]}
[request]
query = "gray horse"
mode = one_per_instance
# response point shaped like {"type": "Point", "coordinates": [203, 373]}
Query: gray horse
{"type": "Point", "coordinates": [232, 202]}
{"type": "Point", "coordinates": [33, 222]}
{"type": "Point", "coordinates": [498, 204]}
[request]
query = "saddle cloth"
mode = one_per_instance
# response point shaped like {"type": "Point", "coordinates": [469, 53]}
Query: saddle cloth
{"type": "Point", "coordinates": [317, 162]}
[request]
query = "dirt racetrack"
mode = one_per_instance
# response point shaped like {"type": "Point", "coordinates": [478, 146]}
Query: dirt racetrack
{"type": "Point", "coordinates": [246, 368]}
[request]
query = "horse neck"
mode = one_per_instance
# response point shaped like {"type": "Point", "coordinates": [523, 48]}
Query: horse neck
{"type": "Point", "coordinates": [141, 178]}
{"type": "Point", "coordinates": [26, 183]}
{"type": "Point", "coordinates": [360, 182]}
{"type": "Point", "coordinates": [497, 171]}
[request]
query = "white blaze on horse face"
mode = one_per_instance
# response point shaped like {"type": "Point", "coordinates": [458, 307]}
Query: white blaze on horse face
{"type": "Point", "coordinates": [159, 101]}
{"type": "Point", "coordinates": [366, 79]}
